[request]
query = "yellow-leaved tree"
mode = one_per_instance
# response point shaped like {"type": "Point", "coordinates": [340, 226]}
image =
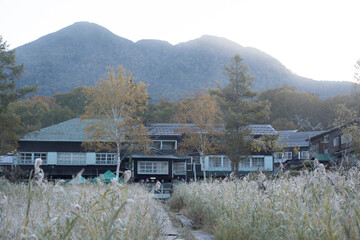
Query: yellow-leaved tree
{"type": "Point", "coordinates": [115, 125]}
{"type": "Point", "coordinates": [202, 134]}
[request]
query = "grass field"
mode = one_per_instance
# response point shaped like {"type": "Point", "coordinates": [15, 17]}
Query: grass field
{"type": "Point", "coordinates": [312, 205]}
{"type": "Point", "coordinates": [90, 211]}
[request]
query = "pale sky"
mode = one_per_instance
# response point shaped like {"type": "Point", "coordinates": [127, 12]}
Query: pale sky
{"type": "Point", "coordinates": [319, 39]}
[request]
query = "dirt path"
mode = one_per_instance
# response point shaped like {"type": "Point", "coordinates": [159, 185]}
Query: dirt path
{"type": "Point", "coordinates": [177, 226]}
{"type": "Point", "coordinates": [168, 231]}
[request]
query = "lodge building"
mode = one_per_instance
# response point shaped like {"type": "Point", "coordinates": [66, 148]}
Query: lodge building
{"type": "Point", "coordinates": [59, 146]}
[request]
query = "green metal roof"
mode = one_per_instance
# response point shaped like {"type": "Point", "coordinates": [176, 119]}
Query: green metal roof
{"type": "Point", "coordinates": [325, 157]}
{"type": "Point", "coordinates": [69, 131]}
{"type": "Point", "coordinates": [73, 130]}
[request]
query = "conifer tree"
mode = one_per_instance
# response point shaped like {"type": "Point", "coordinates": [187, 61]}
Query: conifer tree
{"type": "Point", "coordinates": [239, 108]}
{"type": "Point", "coordinates": [10, 73]}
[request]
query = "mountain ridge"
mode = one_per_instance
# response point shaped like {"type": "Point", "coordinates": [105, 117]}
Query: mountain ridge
{"type": "Point", "coordinates": [77, 55]}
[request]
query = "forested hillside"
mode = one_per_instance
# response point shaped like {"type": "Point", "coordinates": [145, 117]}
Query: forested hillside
{"type": "Point", "coordinates": [78, 55]}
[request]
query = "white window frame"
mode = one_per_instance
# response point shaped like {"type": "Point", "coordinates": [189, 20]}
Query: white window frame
{"type": "Point", "coordinates": [255, 161]}
{"type": "Point", "coordinates": [226, 159]}
{"type": "Point", "coordinates": [222, 161]}
{"type": "Point", "coordinates": [246, 163]}
{"type": "Point", "coordinates": [31, 156]}
{"type": "Point", "coordinates": [71, 158]}
{"type": "Point", "coordinates": [163, 141]}
{"type": "Point", "coordinates": [152, 167]}
{"type": "Point", "coordinates": [326, 138]}
{"type": "Point", "coordinates": [106, 159]}
{"type": "Point", "coordinates": [179, 168]}
{"type": "Point", "coordinates": [215, 161]}
{"type": "Point", "coordinates": [305, 155]}
{"type": "Point", "coordinates": [277, 155]}
{"type": "Point", "coordinates": [287, 155]}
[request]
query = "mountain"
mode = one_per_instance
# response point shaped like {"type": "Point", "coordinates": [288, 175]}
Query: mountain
{"type": "Point", "coordinates": [78, 55]}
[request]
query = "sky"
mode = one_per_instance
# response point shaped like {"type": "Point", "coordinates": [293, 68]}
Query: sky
{"type": "Point", "coordinates": [318, 39]}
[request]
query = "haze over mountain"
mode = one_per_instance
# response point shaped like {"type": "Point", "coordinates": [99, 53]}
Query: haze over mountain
{"type": "Point", "coordinates": [78, 55]}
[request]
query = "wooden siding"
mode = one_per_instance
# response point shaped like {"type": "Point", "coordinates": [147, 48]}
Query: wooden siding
{"type": "Point", "coordinates": [30, 146]}
{"type": "Point", "coordinates": [324, 143]}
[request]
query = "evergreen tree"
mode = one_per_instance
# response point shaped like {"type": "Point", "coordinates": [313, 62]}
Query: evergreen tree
{"type": "Point", "coordinates": [9, 74]}
{"type": "Point", "coordinates": [239, 109]}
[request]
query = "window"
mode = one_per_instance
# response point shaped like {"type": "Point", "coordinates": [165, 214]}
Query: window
{"type": "Point", "coordinates": [71, 158]}
{"type": "Point", "coordinates": [287, 155]}
{"type": "Point", "coordinates": [168, 145]}
{"type": "Point", "coordinates": [156, 144]}
{"type": "Point", "coordinates": [258, 162]}
{"type": "Point", "coordinates": [43, 157]}
{"type": "Point", "coordinates": [215, 161]}
{"type": "Point", "coordinates": [315, 147]}
{"type": "Point", "coordinates": [326, 138]}
{"type": "Point", "coordinates": [79, 157]}
{"type": "Point", "coordinates": [277, 155]}
{"type": "Point", "coordinates": [179, 168]}
{"type": "Point", "coordinates": [226, 162]}
{"type": "Point", "coordinates": [26, 158]}
{"type": "Point", "coordinates": [29, 158]}
{"type": "Point", "coordinates": [219, 161]}
{"type": "Point", "coordinates": [196, 159]}
{"type": "Point", "coordinates": [336, 141]}
{"type": "Point", "coordinates": [127, 165]}
{"type": "Point", "coordinates": [64, 158]}
{"type": "Point", "coordinates": [165, 144]}
{"type": "Point", "coordinates": [345, 139]}
{"type": "Point", "coordinates": [145, 167]}
{"type": "Point", "coordinates": [246, 163]}
{"type": "Point", "coordinates": [284, 155]}
{"type": "Point", "coordinates": [106, 158]}
{"type": "Point", "coordinates": [305, 155]}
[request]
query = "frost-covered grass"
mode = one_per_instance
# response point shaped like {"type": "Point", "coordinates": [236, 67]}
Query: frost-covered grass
{"type": "Point", "coordinates": [90, 211]}
{"type": "Point", "coordinates": [313, 205]}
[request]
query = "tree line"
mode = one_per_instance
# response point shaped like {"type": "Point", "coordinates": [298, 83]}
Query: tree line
{"type": "Point", "coordinates": [289, 109]}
